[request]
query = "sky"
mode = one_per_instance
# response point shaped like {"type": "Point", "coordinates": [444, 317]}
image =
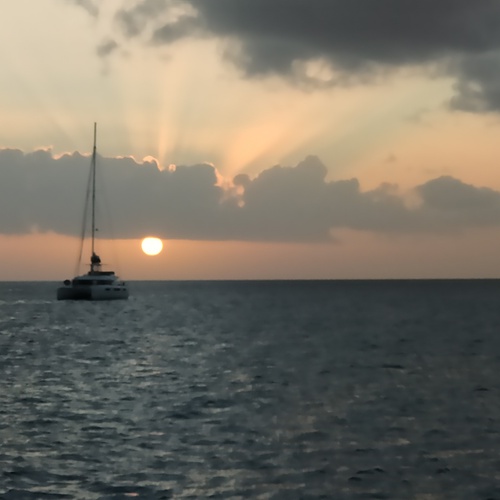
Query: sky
{"type": "Point", "coordinates": [283, 139]}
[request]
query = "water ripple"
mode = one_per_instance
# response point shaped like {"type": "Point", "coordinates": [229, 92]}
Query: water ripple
{"type": "Point", "coordinates": [251, 390]}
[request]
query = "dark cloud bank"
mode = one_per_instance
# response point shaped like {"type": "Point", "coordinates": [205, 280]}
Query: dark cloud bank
{"type": "Point", "coordinates": [361, 39]}
{"type": "Point", "coordinates": [42, 193]}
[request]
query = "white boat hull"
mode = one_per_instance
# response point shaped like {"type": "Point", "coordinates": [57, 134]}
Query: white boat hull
{"type": "Point", "coordinates": [92, 292]}
{"type": "Point", "coordinates": [96, 284]}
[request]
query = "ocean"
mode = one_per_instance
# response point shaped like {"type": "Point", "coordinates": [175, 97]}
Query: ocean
{"type": "Point", "coordinates": [252, 389]}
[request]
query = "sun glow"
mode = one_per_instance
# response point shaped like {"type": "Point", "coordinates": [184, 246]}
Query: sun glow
{"type": "Point", "coordinates": [151, 246]}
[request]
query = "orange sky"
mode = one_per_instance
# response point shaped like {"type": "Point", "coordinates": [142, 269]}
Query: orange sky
{"type": "Point", "coordinates": [356, 256]}
{"type": "Point", "coordinates": [185, 104]}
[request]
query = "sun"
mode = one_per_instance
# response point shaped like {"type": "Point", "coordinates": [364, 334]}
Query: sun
{"type": "Point", "coordinates": [151, 246]}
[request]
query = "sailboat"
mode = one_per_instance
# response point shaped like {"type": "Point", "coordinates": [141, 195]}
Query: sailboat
{"type": "Point", "coordinates": [96, 284]}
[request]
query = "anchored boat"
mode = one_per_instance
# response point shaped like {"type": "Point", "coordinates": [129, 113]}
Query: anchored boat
{"type": "Point", "coordinates": [96, 284]}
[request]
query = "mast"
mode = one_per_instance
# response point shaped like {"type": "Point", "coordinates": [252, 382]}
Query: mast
{"type": "Point", "coordinates": [93, 185]}
{"type": "Point", "coordinates": [95, 261]}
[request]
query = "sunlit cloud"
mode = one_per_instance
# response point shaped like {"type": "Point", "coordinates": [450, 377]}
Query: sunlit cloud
{"type": "Point", "coordinates": [197, 202]}
{"type": "Point", "coordinates": [212, 116]}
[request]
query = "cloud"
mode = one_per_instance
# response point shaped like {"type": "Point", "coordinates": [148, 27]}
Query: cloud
{"type": "Point", "coordinates": [134, 20]}
{"type": "Point", "coordinates": [106, 48]}
{"type": "Point", "coordinates": [448, 193]}
{"type": "Point", "coordinates": [90, 6]}
{"type": "Point", "coordinates": [477, 88]}
{"type": "Point", "coordinates": [450, 203]}
{"type": "Point", "coordinates": [340, 42]}
{"type": "Point", "coordinates": [46, 193]}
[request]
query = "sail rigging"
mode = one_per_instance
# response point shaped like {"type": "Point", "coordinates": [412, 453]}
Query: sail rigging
{"type": "Point", "coordinates": [89, 197]}
{"type": "Point", "coordinates": [96, 284]}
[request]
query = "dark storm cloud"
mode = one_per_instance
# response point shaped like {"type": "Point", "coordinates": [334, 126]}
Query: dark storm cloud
{"type": "Point", "coordinates": [358, 38]}
{"type": "Point", "coordinates": [353, 33]}
{"type": "Point", "coordinates": [44, 193]}
{"type": "Point", "coordinates": [477, 87]}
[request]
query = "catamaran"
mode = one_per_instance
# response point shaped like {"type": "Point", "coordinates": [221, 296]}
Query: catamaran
{"type": "Point", "coordinates": [96, 284]}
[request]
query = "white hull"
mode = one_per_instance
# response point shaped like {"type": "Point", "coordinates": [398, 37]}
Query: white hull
{"type": "Point", "coordinates": [96, 285]}
{"type": "Point", "coordinates": [92, 292]}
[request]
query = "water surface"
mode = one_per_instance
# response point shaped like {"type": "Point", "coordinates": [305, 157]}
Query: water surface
{"type": "Point", "coordinates": [282, 390]}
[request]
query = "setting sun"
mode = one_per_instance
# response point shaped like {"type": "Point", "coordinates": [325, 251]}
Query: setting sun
{"type": "Point", "coordinates": [151, 246]}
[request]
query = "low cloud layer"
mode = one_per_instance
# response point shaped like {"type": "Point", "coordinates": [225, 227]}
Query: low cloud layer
{"type": "Point", "coordinates": [40, 192]}
{"type": "Point", "coordinates": [347, 41]}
